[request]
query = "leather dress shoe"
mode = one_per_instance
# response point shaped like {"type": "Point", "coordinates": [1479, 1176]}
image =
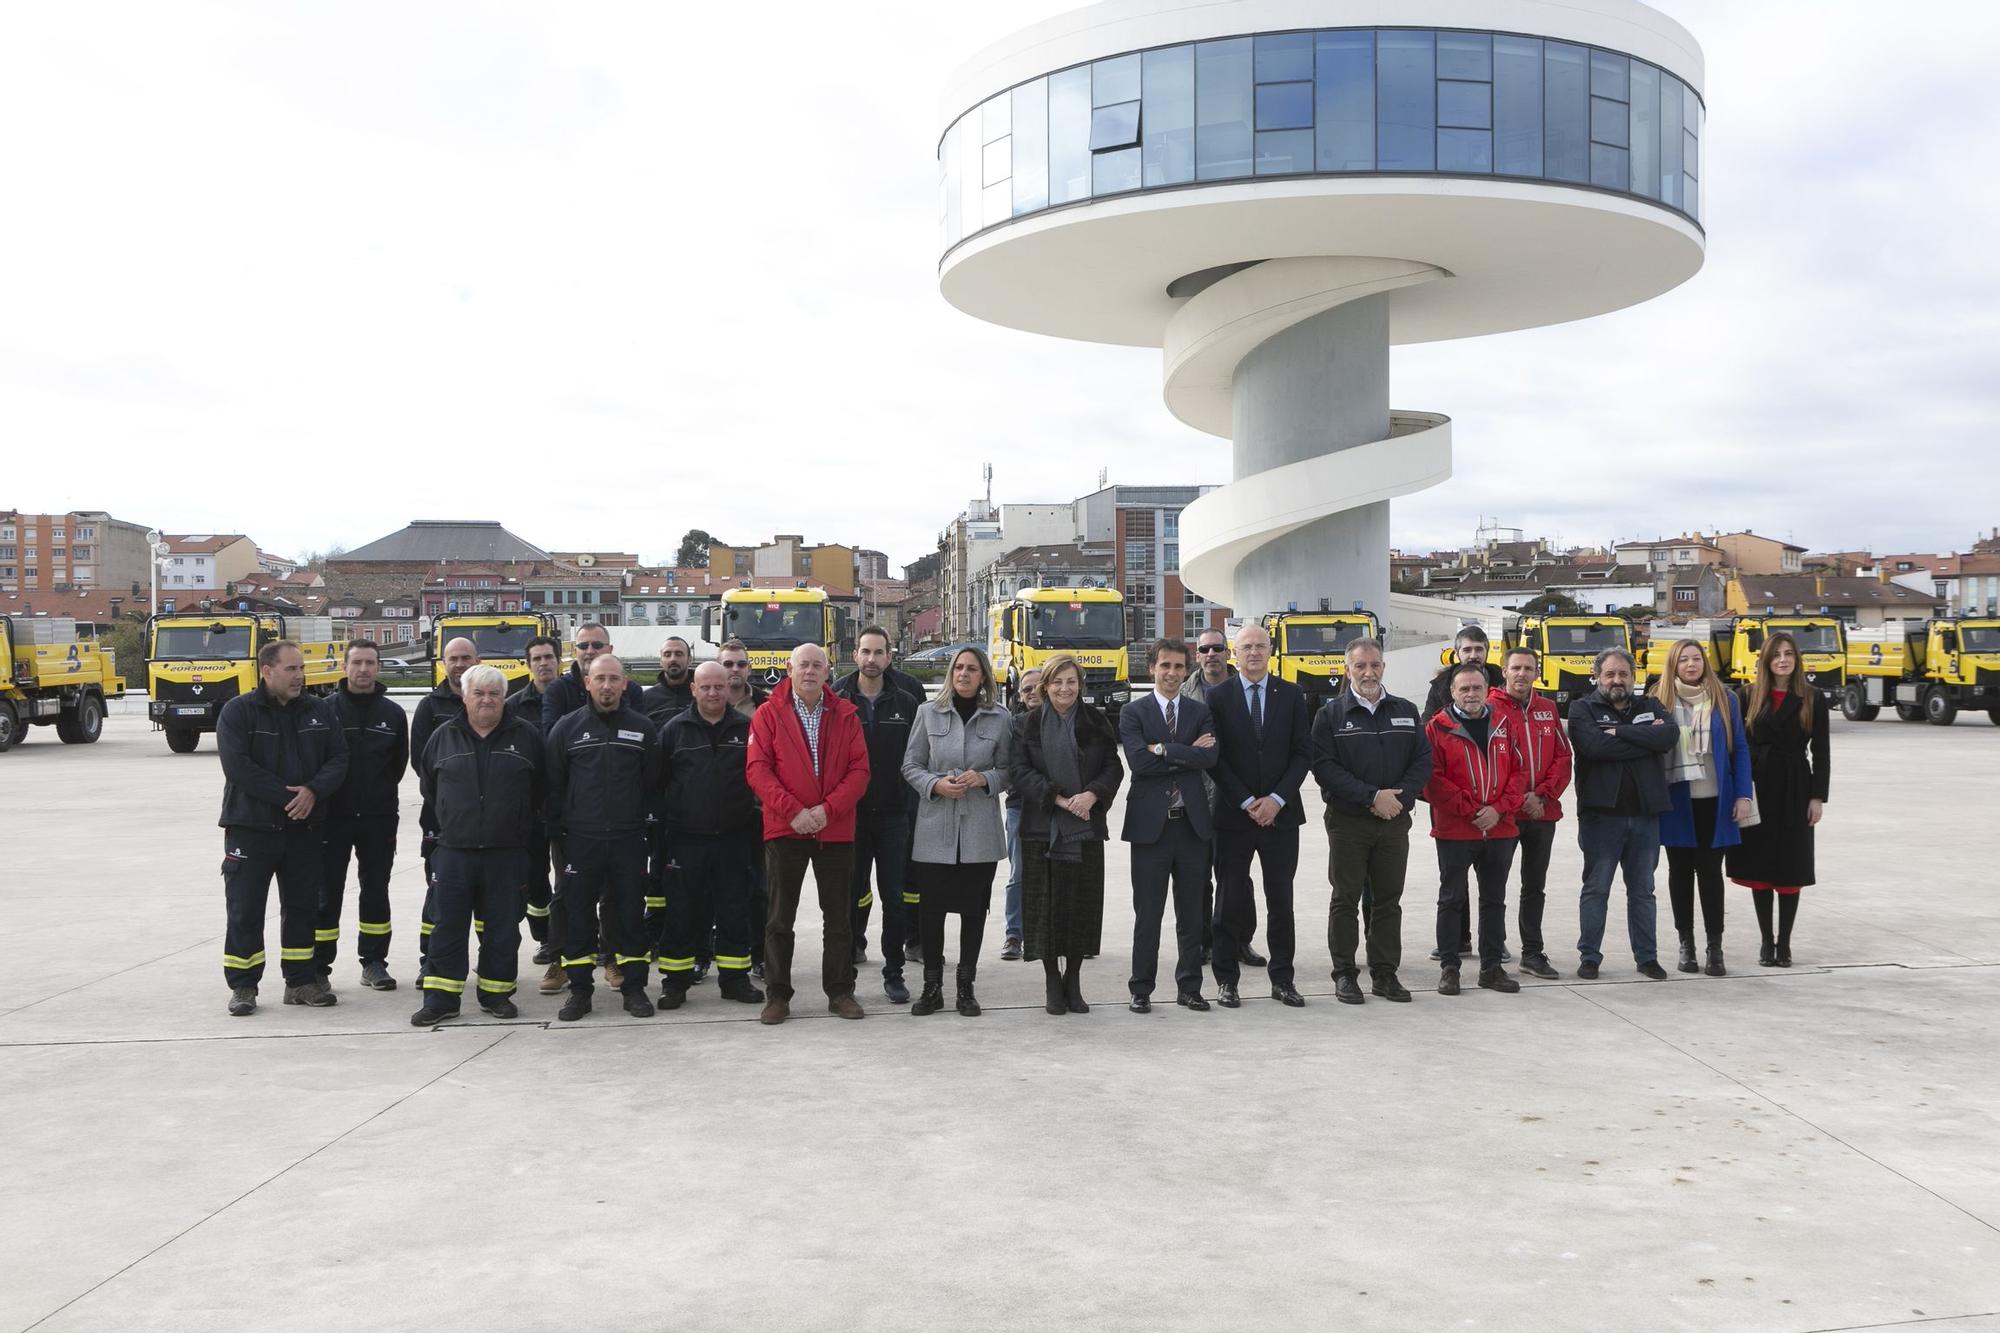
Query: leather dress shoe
{"type": "Point", "coordinates": [1538, 965]}
{"type": "Point", "coordinates": [1651, 968]}
{"type": "Point", "coordinates": [1389, 988]}
{"type": "Point", "coordinates": [1347, 989]}
{"type": "Point", "coordinates": [1192, 1000]}
{"type": "Point", "coordinates": [1226, 996]}
{"type": "Point", "coordinates": [1140, 1005]}
{"type": "Point", "coordinates": [1586, 971]}
{"type": "Point", "coordinates": [1288, 995]}
{"type": "Point", "coordinates": [1251, 958]}
{"type": "Point", "coordinates": [1448, 981]}
{"type": "Point", "coordinates": [1496, 978]}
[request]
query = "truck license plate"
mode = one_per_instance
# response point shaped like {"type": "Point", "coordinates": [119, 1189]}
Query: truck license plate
{"type": "Point", "coordinates": [195, 711]}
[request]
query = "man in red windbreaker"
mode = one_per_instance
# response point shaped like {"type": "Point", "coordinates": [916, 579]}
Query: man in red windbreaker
{"type": "Point", "coordinates": [1542, 738]}
{"type": "Point", "coordinates": [808, 764]}
{"type": "Point", "coordinates": [1477, 781]}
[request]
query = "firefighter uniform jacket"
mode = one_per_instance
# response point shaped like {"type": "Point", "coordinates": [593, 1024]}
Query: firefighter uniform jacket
{"type": "Point", "coordinates": [377, 732]}
{"type": "Point", "coordinates": [267, 747]}
{"type": "Point", "coordinates": [707, 789]}
{"type": "Point", "coordinates": [604, 772]}
{"type": "Point", "coordinates": [1544, 745]}
{"type": "Point", "coordinates": [435, 709]}
{"type": "Point", "coordinates": [568, 693]}
{"type": "Point", "coordinates": [484, 791]}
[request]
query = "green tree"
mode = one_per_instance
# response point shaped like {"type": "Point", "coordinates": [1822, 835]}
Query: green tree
{"type": "Point", "coordinates": [1553, 604]}
{"type": "Point", "coordinates": [694, 550]}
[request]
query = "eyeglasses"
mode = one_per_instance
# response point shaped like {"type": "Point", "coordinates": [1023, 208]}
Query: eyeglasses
{"type": "Point", "coordinates": [597, 644]}
{"type": "Point", "coordinates": [1213, 648]}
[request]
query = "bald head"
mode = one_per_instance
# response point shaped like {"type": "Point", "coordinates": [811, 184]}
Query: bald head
{"type": "Point", "coordinates": [809, 672]}
{"type": "Point", "coordinates": [711, 691]}
{"type": "Point", "coordinates": [460, 656]}
{"type": "Point", "coordinates": [1253, 652]}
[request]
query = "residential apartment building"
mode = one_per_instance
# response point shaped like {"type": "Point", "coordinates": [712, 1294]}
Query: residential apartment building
{"type": "Point", "coordinates": [981, 534]}
{"type": "Point", "coordinates": [1747, 553]}
{"type": "Point", "coordinates": [391, 622]}
{"type": "Point", "coordinates": [80, 550]}
{"type": "Point", "coordinates": [1140, 525]}
{"type": "Point", "coordinates": [1859, 601]}
{"type": "Point", "coordinates": [1066, 565]}
{"type": "Point", "coordinates": [786, 559]}
{"type": "Point", "coordinates": [206, 562]}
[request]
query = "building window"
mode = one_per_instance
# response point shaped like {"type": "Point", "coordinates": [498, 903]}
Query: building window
{"type": "Point", "coordinates": [79, 552]}
{"type": "Point", "coordinates": [86, 534]}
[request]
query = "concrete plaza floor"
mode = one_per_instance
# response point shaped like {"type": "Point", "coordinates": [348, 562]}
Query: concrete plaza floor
{"type": "Point", "coordinates": [1809, 1149]}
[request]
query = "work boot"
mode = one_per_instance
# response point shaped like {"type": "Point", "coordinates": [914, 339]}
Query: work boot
{"type": "Point", "coordinates": [427, 1017]}
{"type": "Point", "coordinates": [614, 975]}
{"type": "Point", "coordinates": [555, 980]}
{"type": "Point", "coordinates": [637, 1005]}
{"type": "Point", "coordinates": [316, 994]}
{"type": "Point", "coordinates": [1448, 982]}
{"type": "Point", "coordinates": [775, 1011]}
{"type": "Point", "coordinates": [968, 1003]}
{"type": "Point", "coordinates": [1538, 965]}
{"type": "Point", "coordinates": [1715, 967]}
{"type": "Point", "coordinates": [1496, 978]}
{"type": "Point", "coordinates": [1687, 963]}
{"type": "Point", "coordinates": [894, 987]}
{"type": "Point", "coordinates": [672, 997]}
{"type": "Point", "coordinates": [375, 975]}
{"type": "Point", "coordinates": [1385, 985]}
{"type": "Point", "coordinates": [499, 1006]}
{"type": "Point", "coordinates": [242, 1001]}
{"type": "Point", "coordinates": [575, 1007]}
{"type": "Point", "coordinates": [735, 986]}
{"type": "Point", "coordinates": [931, 998]}
{"type": "Point", "coordinates": [545, 955]}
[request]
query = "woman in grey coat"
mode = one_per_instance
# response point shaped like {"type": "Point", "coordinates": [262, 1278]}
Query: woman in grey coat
{"type": "Point", "coordinates": [957, 761]}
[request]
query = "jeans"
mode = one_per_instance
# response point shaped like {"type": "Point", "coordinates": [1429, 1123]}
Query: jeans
{"type": "Point", "coordinates": [1611, 843]}
{"type": "Point", "coordinates": [1014, 931]}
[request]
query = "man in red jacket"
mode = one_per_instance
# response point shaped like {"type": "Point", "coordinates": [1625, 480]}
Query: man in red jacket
{"type": "Point", "coordinates": [1542, 739]}
{"type": "Point", "coordinates": [1477, 781]}
{"type": "Point", "coordinates": [808, 764]}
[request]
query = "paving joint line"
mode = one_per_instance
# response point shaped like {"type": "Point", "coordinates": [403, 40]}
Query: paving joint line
{"type": "Point", "coordinates": [172, 953]}
{"type": "Point", "coordinates": [1808, 1123]}
{"type": "Point", "coordinates": [1907, 1323]}
{"type": "Point", "coordinates": [282, 1171]}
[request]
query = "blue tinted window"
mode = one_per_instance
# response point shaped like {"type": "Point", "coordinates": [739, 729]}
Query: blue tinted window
{"type": "Point", "coordinates": [1565, 112]}
{"type": "Point", "coordinates": [954, 217]}
{"type": "Point", "coordinates": [1608, 167]}
{"type": "Point", "coordinates": [1693, 188]}
{"type": "Point", "coordinates": [1610, 122]}
{"type": "Point", "coordinates": [1114, 80]}
{"type": "Point", "coordinates": [1465, 55]}
{"type": "Point", "coordinates": [1517, 106]}
{"type": "Point", "coordinates": [1114, 126]}
{"type": "Point", "coordinates": [1691, 126]}
{"type": "Point", "coordinates": [1645, 130]}
{"type": "Point", "coordinates": [1465, 150]}
{"type": "Point", "coordinates": [1222, 109]}
{"type": "Point", "coordinates": [1285, 57]}
{"type": "Point", "coordinates": [1405, 132]}
{"type": "Point", "coordinates": [1112, 172]}
{"type": "Point", "coordinates": [1466, 105]}
{"type": "Point", "coordinates": [1284, 106]}
{"type": "Point", "coordinates": [1168, 125]}
{"type": "Point", "coordinates": [1281, 152]}
{"type": "Point", "coordinates": [1344, 94]}
{"type": "Point", "coordinates": [1608, 76]}
{"type": "Point", "coordinates": [1069, 135]}
{"type": "Point", "coordinates": [1671, 191]}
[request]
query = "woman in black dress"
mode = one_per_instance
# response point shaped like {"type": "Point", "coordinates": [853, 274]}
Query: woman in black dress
{"type": "Point", "coordinates": [1064, 767]}
{"type": "Point", "coordinates": [1789, 762]}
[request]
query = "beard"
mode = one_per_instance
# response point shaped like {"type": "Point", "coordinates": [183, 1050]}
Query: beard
{"type": "Point", "coordinates": [1618, 694]}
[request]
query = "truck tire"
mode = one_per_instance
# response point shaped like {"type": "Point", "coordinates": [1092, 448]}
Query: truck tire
{"type": "Point", "coordinates": [1940, 709]}
{"type": "Point", "coordinates": [1994, 714]}
{"type": "Point", "coordinates": [1854, 705]}
{"type": "Point", "coordinates": [1910, 712]}
{"type": "Point", "coordinates": [83, 724]}
{"type": "Point", "coordinates": [182, 740]}
{"type": "Point", "coordinates": [11, 729]}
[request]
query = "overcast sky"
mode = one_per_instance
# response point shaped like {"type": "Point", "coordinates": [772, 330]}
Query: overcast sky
{"type": "Point", "coordinates": [608, 272]}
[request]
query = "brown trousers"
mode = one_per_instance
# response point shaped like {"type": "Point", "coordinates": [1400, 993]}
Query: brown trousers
{"type": "Point", "coordinates": [785, 862]}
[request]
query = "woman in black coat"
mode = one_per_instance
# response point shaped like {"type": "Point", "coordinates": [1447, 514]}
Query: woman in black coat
{"type": "Point", "coordinates": [1064, 767]}
{"type": "Point", "coordinates": [1789, 762]}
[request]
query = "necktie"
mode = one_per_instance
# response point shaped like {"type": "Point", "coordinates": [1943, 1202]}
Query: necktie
{"type": "Point", "coordinates": [1174, 800]}
{"type": "Point", "coordinates": [1257, 707]}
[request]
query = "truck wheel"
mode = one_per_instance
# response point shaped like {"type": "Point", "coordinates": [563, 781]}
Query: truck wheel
{"type": "Point", "coordinates": [182, 740]}
{"type": "Point", "coordinates": [10, 727]}
{"type": "Point", "coordinates": [83, 724]}
{"type": "Point", "coordinates": [1910, 712]}
{"type": "Point", "coordinates": [1854, 705]}
{"type": "Point", "coordinates": [1940, 710]}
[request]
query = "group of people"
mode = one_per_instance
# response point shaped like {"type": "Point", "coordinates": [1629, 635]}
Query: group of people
{"type": "Point", "coordinates": [672, 826]}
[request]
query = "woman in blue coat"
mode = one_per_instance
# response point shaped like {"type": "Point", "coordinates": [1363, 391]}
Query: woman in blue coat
{"type": "Point", "coordinates": [1708, 778]}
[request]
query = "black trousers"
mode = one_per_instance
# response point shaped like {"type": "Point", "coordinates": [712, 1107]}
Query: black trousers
{"type": "Point", "coordinates": [1488, 860]}
{"type": "Point", "coordinates": [1367, 859]}
{"type": "Point", "coordinates": [1689, 867]}
{"type": "Point", "coordinates": [541, 887]}
{"type": "Point", "coordinates": [707, 884]}
{"type": "Point", "coordinates": [1276, 850]}
{"type": "Point", "coordinates": [612, 871]}
{"type": "Point", "coordinates": [967, 889]}
{"type": "Point", "coordinates": [1178, 858]}
{"type": "Point", "coordinates": [296, 856]}
{"type": "Point", "coordinates": [1538, 839]}
{"type": "Point", "coordinates": [481, 891]}
{"type": "Point", "coordinates": [785, 863]}
{"type": "Point", "coordinates": [370, 840]}
{"type": "Point", "coordinates": [882, 842]}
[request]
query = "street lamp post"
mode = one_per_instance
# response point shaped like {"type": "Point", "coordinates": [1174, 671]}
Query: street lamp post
{"type": "Point", "coordinates": [156, 548]}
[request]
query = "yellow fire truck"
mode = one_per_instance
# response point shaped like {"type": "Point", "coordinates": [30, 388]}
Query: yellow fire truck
{"type": "Point", "coordinates": [1309, 648]}
{"type": "Point", "coordinates": [1927, 671]}
{"type": "Point", "coordinates": [1733, 642]}
{"type": "Point", "coordinates": [197, 661]}
{"type": "Point", "coordinates": [771, 622]}
{"type": "Point", "coordinates": [502, 641]}
{"type": "Point", "coordinates": [1568, 647]}
{"type": "Point", "coordinates": [53, 678]}
{"type": "Point", "coordinates": [1087, 623]}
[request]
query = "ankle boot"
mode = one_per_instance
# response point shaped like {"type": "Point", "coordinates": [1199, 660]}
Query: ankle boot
{"type": "Point", "coordinates": [1052, 981]}
{"type": "Point", "coordinates": [1073, 987]}
{"type": "Point", "coordinates": [968, 1003]}
{"type": "Point", "coordinates": [932, 998]}
{"type": "Point", "coordinates": [1688, 963]}
{"type": "Point", "coordinates": [1767, 954]}
{"type": "Point", "coordinates": [1715, 967]}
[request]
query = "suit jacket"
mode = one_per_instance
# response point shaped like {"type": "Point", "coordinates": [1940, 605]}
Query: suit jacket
{"type": "Point", "coordinates": [1154, 776]}
{"type": "Point", "coordinates": [1273, 763]}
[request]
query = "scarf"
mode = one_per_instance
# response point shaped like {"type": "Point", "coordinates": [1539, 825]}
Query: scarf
{"type": "Point", "coordinates": [1063, 764]}
{"type": "Point", "coordinates": [1690, 758]}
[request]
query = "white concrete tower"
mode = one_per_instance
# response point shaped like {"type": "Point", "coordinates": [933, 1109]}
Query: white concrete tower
{"type": "Point", "coordinates": [1275, 191]}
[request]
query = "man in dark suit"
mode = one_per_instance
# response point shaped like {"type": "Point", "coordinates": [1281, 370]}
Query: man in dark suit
{"type": "Point", "coordinates": [1168, 743]}
{"type": "Point", "coordinates": [1264, 736]}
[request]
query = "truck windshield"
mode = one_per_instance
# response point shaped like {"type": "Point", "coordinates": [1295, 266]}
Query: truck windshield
{"type": "Point", "coordinates": [774, 624]}
{"type": "Point", "coordinates": [1076, 624]}
{"type": "Point", "coordinates": [509, 640]}
{"type": "Point", "coordinates": [187, 641]}
{"type": "Point", "coordinates": [1583, 640]}
{"type": "Point", "coordinates": [1813, 638]}
{"type": "Point", "coordinates": [1980, 638]}
{"type": "Point", "coordinates": [1322, 639]}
